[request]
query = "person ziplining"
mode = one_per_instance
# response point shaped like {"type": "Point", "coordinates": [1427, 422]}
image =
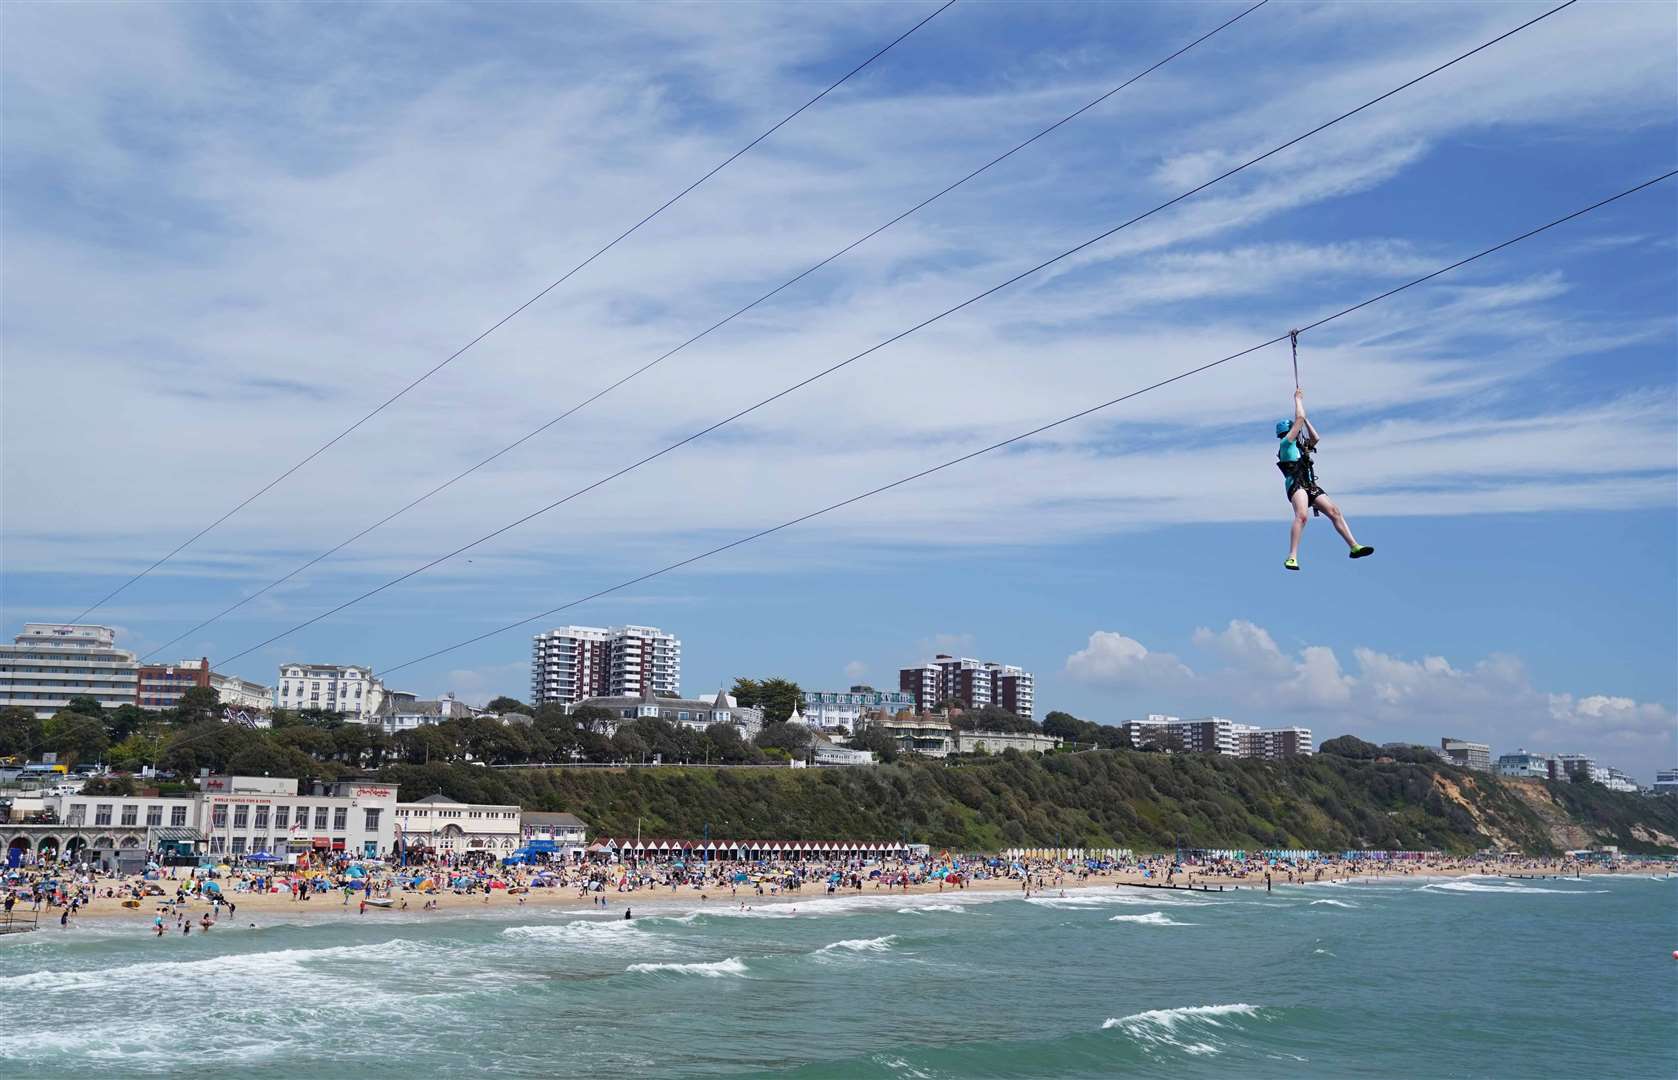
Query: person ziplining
{"type": "Point", "coordinates": [1299, 473]}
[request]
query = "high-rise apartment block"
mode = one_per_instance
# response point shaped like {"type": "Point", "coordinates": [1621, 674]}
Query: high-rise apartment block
{"type": "Point", "coordinates": [572, 663]}
{"type": "Point", "coordinates": [50, 663]}
{"type": "Point", "coordinates": [973, 683]}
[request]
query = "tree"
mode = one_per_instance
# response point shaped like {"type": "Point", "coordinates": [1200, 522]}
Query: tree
{"type": "Point", "coordinates": [136, 750]}
{"type": "Point", "coordinates": [748, 693]}
{"type": "Point", "coordinates": [776, 697]}
{"type": "Point", "coordinates": [82, 703]}
{"type": "Point", "coordinates": [628, 745]}
{"type": "Point", "coordinates": [1350, 746]}
{"type": "Point", "coordinates": [503, 705]}
{"type": "Point", "coordinates": [21, 732]}
{"type": "Point", "coordinates": [992, 718]}
{"type": "Point", "coordinates": [724, 745]}
{"type": "Point", "coordinates": [198, 704]}
{"type": "Point", "coordinates": [126, 720]}
{"type": "Point", "coordinates": [784, 736]}
{"type": "Point", "coordinates": [875, 738]}
{"type": "Point", "coordinates": [75, 737]}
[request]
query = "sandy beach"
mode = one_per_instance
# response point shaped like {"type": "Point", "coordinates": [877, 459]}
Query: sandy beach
{"type": "Point", "coordinates": [255, 907]}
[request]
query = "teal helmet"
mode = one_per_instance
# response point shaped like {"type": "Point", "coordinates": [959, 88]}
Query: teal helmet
{"type": "Point", "coordinates": [1283, 427]}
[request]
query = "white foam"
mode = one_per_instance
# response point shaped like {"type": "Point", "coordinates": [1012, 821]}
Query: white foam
{"type": "Point", "coordinates": [1462, 885]}
{"type": "Point", "coordinates": [1333, 903]}
{"type": "Point", "coordinates": [1160, 1025]}
{"type": "Point", "coordinates": [923, 909]}
{"type": "Point", "coordinates": [861, 945]}
{"type": "Point", "coordinates": [1152, 918]}
{"type": "Point", "coordinates": [715, 970]}
{"type": "Point", "coordinates": [258, 965]}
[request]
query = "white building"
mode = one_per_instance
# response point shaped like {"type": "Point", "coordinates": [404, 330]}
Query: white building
{"type": "Point", "coordinates": [826, 755]}
{"type": "Point", "coordinates": [240, 693]}
{"type": "Point", "coordinates": [1666, 782]}
{"type": "Point", "coordinates": [972, 683]}
{"type": "Point", "coordinates": [572, 663]}
{"type": "Point", "coordinates": [50, 663]}
{"type": "Point", "coordinates": [696, 714]}
{"type": "Point", "coordinates": [994, 742]}
{"type": "Point", "coordinates": [1207, 735]}
{"type": "Point", "coordinates": [403, 711]}
{"type": "Point", "coordinates": [447, 827]}
{"type": "Point", "coordinates": [1523, 764]}
{"type": "Point", "coordinates": [1272, 744]}
{"type": "Point", "coordinates": [349, 690]}
{"type": "Point", "coordinates": [827, 710]}
{"type": "Point", "coordinates": [238, 815]}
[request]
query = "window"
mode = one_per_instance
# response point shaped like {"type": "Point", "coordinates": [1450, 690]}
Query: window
{"type": "Point", "coordinates": [262, 818]}
{"type": "Point", "coordinates": [77, 815]}
{"type": "Point", "coordinates": [218, 844]}
{"type": "Point", "coordinates": [177, 816]}
{"type": "Point", "coordinates": [320, 819]}
{"type": "Point", "coordinates": [154, 815]}
{"type": "Point", "coordinates": [218, 816]}
{"type": "Point", "coordinates": [302, 817]}
{"type": "Point", "coordinates": [339, 816]}
{"type": "Point", "coordinates": [241, 817]}
{"type": "Point", "coordinates": [102, 813]}
{"type": "Point", "coordinates": [372, 821]}
{"type": "Point", "coordinates": [131, 815]}
{"type": "Point", "coordinates": [282, 817]}
{"type": "Point", "coordinates": [238, 845]}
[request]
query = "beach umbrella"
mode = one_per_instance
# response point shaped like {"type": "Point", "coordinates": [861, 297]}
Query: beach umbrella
{"type": "Point", "coordinates": [263, 857]}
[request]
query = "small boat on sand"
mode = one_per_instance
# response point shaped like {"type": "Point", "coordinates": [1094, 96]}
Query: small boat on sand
{"type": "Point", "coordinates": [379, 901]}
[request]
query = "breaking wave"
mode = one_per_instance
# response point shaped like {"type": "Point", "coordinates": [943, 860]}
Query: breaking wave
{"type": "Point", "coordinates": [717, 969]}
{"type": "Point", "coordinates": [1152, 918]}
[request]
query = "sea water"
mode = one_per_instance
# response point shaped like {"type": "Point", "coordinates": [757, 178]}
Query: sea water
{"type": "Point", "coordinates": [1400, 978]}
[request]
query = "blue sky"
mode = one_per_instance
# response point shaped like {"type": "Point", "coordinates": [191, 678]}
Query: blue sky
{"type": "Point", "coordinates": [232, 230]}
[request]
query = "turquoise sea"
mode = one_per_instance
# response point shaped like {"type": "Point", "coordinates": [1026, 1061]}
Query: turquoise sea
{"type": "Point", "coordinates": [1462, 978]}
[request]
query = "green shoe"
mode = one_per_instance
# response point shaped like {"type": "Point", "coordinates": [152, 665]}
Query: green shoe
{"type": "Point", "coordinates": [1360, 552]}
{"type": "Point", "coordinates": [1291, 564]}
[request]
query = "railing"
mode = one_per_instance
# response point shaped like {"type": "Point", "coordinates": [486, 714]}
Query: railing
{"type": "Point", "coordinates": [19, 922]}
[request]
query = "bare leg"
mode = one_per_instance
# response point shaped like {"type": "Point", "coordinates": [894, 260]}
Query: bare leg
{"type": "Point", "coordinates": [1301, 514]}
{"type": "Point", "coordinates": [1326, 505]}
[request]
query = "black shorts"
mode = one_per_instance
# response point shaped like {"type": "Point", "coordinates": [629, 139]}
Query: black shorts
{"type": "Point", "coordinates": [1312, 494]}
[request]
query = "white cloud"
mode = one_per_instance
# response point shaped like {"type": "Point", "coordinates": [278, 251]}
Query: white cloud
{"type": "Point", "coordinates": [855, 670]}
{"type": "Point", "coordinates": [1111, 659]}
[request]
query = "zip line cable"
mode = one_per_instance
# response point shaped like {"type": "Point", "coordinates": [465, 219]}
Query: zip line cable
{"type": "Point", "coordinates": [1023, 436]}
{"type": "Point", "coordinates": [895, 337]}
{"type": "Point", "coordinates": [703, 333]}
{"type": "Point", "coordinates": [1037, 430]}
{"type": "Point", "coordinates": [508, 317]}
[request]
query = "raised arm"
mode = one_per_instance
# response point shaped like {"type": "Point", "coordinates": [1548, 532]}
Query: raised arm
{"type": "Point", "coordinates": [1299, 420]}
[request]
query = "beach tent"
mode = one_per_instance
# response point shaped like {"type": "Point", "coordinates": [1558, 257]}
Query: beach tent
{"type": "Point", "coordinates": [263, 857]}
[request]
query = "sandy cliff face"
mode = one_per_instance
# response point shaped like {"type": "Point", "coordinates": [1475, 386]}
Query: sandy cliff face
{"type": "Point", "coordinates": [1565, 833]}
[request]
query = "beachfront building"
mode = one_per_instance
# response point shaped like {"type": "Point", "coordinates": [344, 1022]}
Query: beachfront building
{"type": "Point", "coordinates": [1467, 755]}
{"type": "Point", "coordinates": [560, 829]}
{"type": "Point", "coordinates": [239, 815]}
{"type": "Point", "coordinates": [50, 663]}
{"type": "Point", "coordinates": [994, 742]}
{"type": "Point", "coordinates": [830, 710]}
{"type": "Point", "coordinates": [349, 690]}
{"type": "Point", "coordinates": [1525, 765]}
{"type": "Point", "coordinates": [971, 683]}
{"type": "Point", "coordinates": [1666, 782]}
{"type": "Point", "coordinates": [573, 663]}
{"type": "Point", "coordinates": [694, 713]}
{"type": "Point", "coordinates": [1575, 767]}
{"type": "Point", "coordinates": [446, 826]}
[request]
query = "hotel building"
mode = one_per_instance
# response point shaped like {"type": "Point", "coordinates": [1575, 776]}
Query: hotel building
{"type": "Point", "coordinates": [851, 709]}
{"type": "Point", "coordinates": [572, 663]}
{"type": "Point", "coordinates": [1467, 755]}
{"type": "Point", "coordinates": [50, 663]}
{"type": "Point", "coordinates": [443, 826]}
{"type": "Point", "coordinates": [349, 690]}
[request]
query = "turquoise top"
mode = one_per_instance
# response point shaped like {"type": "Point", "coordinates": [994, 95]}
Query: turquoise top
{"type": "Point", "coordinates": [1289, 451]}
